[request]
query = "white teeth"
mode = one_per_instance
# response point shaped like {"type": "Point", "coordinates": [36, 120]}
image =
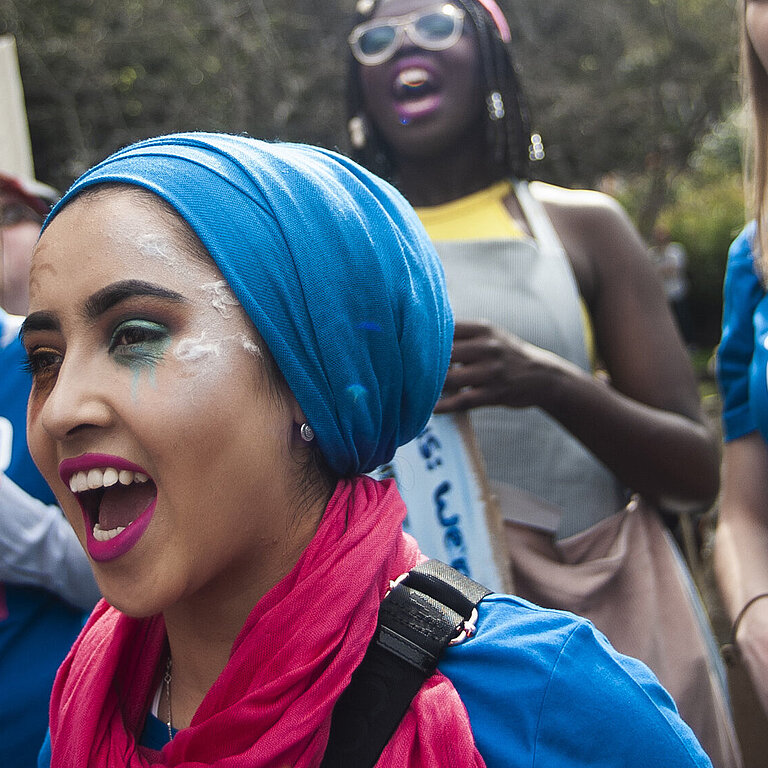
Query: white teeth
{"type": "Point", "coordinates": [104, 478]}
{"type": "Point", "coordinates": [101, 535]}
{"type": "Point", "coordinates": [95, 478]}
{"type": "Point", "coordinates": [413, 76]}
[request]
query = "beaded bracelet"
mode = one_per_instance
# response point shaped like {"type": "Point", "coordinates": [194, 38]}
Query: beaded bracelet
{"type": "Point", "coordinates": [730, 650]}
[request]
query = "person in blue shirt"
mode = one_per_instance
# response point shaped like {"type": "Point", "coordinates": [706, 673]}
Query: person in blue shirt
{"type": "Point", "coordinates": [741, 539]}
{"type": "Point", "coordinates": [46, 587]}
{"type": "Point", "coordinates": [211, 387]}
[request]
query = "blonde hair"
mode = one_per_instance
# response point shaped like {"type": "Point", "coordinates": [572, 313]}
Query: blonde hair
{"type": "Point", "coordinates": [754, 80]}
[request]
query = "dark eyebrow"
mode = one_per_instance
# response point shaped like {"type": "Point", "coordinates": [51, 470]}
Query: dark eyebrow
{"type": "Point", "coordinates": [39, 321]}
{"type": "Point", "coordinates": [99, 302]}
{"type": "Point", "coordinates": [106, 298]}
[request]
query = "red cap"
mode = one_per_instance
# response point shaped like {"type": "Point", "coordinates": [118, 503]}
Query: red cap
{"type": "Point", "coordinates": [39, 197]}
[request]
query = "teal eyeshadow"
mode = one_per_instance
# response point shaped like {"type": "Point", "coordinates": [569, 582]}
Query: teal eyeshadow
{"type": "Point", "coordinates": [146, 354]}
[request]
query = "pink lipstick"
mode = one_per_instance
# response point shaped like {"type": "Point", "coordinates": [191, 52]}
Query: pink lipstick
{"type": "Point", "coordinates": [117, 499]}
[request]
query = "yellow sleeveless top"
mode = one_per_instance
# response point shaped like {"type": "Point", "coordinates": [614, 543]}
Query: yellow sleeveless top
{"type": "Point", "coordinates": [479, 216]}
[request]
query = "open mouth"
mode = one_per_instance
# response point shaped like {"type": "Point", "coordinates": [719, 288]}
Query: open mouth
{"type": "Point", "coordinates": [415, 92]}
{"type": "Point", "coordinates": [113, 499]}
{"type": "Point", "coordinates": [117, 505]}
{"type": "Point", "coordinates": [413, 83]}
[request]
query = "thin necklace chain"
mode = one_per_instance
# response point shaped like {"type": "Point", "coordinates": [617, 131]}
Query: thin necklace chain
{"type": "Point", "coordinates": [167, 680]}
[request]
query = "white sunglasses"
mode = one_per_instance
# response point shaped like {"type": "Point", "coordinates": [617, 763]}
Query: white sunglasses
{"type": "Point", "coordinates": [433, 29]}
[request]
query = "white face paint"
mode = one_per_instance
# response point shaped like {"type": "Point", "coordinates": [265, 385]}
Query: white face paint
{"type": "Point", "coordinates": [221, 297]}
{"type": "Point", "coordinates": [195, 349]}
{"type": "Point", "coordinates": [160, 247]}
{"type": "Point", "coordinates": [131, 361]}
{"type": "Point", "coordinates": [217, 339]}
{"type": "Point", "coordinates": [249, 345]}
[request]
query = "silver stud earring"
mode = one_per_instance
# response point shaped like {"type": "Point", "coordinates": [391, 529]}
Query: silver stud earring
{"type": "Point", "coordinates": [307, 433]}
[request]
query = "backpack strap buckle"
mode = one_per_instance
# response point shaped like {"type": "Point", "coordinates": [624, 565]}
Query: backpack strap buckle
{"type": "Point", "coordinates": [468, 628]}
{"type": "Point", "coordinates": [424, 611]}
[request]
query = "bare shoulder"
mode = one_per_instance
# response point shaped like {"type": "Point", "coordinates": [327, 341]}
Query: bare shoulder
{"type": "Point", "coordinates": [590, 222]}
{"type": "Point", "coordinates": [578, 205]}
{"type": "Point", "coordinates": [596, 232]}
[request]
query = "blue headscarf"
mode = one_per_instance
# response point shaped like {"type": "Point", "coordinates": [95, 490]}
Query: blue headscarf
{"type": "Point", "coordinates": [333, 268]}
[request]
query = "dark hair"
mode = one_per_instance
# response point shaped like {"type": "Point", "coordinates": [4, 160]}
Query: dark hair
{"type": "Point", "coordinates": [508, 135]}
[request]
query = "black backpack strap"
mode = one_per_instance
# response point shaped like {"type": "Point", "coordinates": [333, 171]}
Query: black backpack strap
{"type": "Point", "coordinates": [428, 608]}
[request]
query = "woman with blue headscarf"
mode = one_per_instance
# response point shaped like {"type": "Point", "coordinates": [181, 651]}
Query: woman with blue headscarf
{"type": "Point", "coordinates": [224, 336]}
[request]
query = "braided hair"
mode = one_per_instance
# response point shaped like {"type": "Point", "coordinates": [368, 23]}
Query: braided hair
{"type": "Point", "coordinates": [508, 128]}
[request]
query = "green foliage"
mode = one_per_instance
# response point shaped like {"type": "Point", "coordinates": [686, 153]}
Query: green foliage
{"type": "Point", "coordinates": [705, 218]}
{"type": "Point", "coordinates": [620, 88]}
{"type": "Point", "coordinates": [705, 213]}
{"type": "Point", "coordinates": [625, 87]}
{"type": "Point", "coordinates": [98, 75]}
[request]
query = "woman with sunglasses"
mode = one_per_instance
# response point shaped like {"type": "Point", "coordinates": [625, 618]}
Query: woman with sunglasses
{"type": "Point", "coordinates": [209, 386]}
{"type": "Point", "coordinates": [547, 283]}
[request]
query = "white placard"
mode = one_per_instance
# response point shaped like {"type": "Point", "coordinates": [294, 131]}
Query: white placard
{"type": "Point", "coordinates": [15, 147]}
{"type": "Point", "coordinates": [451, 512]}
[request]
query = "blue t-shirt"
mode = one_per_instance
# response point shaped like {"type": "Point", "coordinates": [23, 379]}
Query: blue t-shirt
{"type": "Point", "coordinates": [742, 356]}
{"type": "Point", "coordinates": [36, 627]}
{"type": "Point", "coordinates": [545, 688]}
{"type": "Point", "coordinates": [15, 384]}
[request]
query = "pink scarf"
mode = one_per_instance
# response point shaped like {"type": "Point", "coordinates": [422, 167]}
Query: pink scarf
{"type": "Point", "coordinates": [271, 706]}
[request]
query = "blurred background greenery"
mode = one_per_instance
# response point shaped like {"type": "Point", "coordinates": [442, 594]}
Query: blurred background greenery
{"type": "Point", "coordinates": [636, 97]}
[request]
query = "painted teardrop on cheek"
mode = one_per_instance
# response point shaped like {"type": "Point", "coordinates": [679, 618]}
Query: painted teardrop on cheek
{"type": "Point", "coordinates": [140, 345]}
